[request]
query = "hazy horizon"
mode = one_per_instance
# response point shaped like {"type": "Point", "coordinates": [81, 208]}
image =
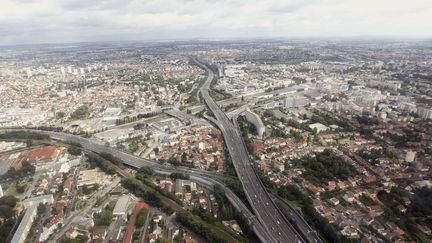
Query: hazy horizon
{"type": "Point", "coordinates": [69, 21]}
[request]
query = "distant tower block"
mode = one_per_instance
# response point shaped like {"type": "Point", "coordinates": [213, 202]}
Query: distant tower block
{"type": "Point", "coordinates": [410, 156]}
{"type": "Point", "coordinates": [1, 191]}
{"type": "Point", "coordinates": [29, 73]}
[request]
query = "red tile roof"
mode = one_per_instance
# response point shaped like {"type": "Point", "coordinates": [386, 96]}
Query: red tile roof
{"type": "Point", "coordinates": [131, 226]}
{"type": "Point", "coordinates": [45, 153]}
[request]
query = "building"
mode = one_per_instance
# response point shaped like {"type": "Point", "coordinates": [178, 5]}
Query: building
{"type": "Point", "coordinates": [295, 101]}
{"type": "Point", "coordinates": [410, 156]}
{"type": "Point", "coordinates": [111, 115]}
{"type": "Point", "coordinates": [91, 177]}
{"type": "Point", "coordinates": [319, 127]}
{"type": "Point", "coordinates": [424, 113]}
{"type": "Point", "coordinates": [25, 225]}
{"type": "Point", "coordinates": [1, 191]}
{"type": "Point", "coordinates": [393, 85]}
{"type": "Point", "coordinates": [99, 234]}
{"type": "Point", "coordinates": [256, 121]}
{"type": "Point", "coordinates": [122, 206]}
{"type": "Point", "coordinates": [180, 184]}
{"type": "Point", "coordinates": [50, 227]}
{"type": "Point", "coordinates": [278, 165]}
{"type": "Point", "coordinates": [34, 201]}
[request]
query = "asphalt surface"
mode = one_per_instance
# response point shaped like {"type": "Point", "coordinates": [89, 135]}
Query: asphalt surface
{"type": "Point", "coordinates": [128, 159]}
{"type": "Point", "coordinates": [272, 220]}
{"type": "Point", "coordinates": [137, 162]}
{"type": "Point", "coordinates": [268, 222]}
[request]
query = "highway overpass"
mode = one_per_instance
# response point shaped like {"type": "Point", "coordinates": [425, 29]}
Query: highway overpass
{"type": "Point", "coordinates": [272, 220]}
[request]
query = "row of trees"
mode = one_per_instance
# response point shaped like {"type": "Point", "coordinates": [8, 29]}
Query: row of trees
{"type": "Point", "coordinates": [141, 218]}
{"type": "Point", "coordinates": [26, 169]}
{"type": "Point", "coordinates": [49, 128]}
{"type": "Point", "coordinates": [24, 135]}
{"type": "Point", "coordinates": [97, 161]}
{"type": "Point", "coordinates": [74, 150]}
{"type": "Point", "coordinates": [198, 227]}
{"type": "Point", "coordinates": [150, 196]}
{"type": "Point", "coordinates": [144, 175]}
{"type": "Point", "coordinates": [129, 119]}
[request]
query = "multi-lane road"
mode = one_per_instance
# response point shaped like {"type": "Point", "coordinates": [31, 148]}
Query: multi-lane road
{"type": "Point", "coordinates": [264, 208]}
{"type": "Point", "coordinates": [128, 159]}
{"type": "Point", "coordinates": [204, 177]}
{"type": "Point", "coordinates": [268, 222]}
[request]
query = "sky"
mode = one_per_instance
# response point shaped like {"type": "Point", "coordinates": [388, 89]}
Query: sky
{"type": "Point", "coordinates": [66, 21]}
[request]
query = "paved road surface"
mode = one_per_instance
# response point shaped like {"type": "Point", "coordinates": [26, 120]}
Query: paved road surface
{"type": "Point", "coordinates": [264, 208]}
{"type": "Point", "coordinates": [82, 212]}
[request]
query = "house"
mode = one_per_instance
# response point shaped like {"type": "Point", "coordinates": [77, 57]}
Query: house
{"type": "Point", "coordinates": [341, 185]}
{"type": "Point", "coordinates": [278, 165]}
{"type": "Point", "coordinates": [153, 238]}
{"type": "Point", "coordinates": [67, 185]}
{"type": "Point", "coordinates": [402, 208]}
{"type": "Point", "coordinates": [334, 201]}
{"type": "Point", "coordinates": [99, 234]}
{"type": "Point", "coordinates": [349, 197]}
{"type": "Point", "coordinates": [85, 223]}
{"type": "Point", "coordinates": [425, 229]}
{"type": "Point", "coordinates": [350, 232]}
{"type": "Point", "coordinates": [375, 210]}
{"type": "Point", "coordinates": [331, 185]}
{"type": "Point", "coordinates": [49, 228]}
{"type": "Point", "coordinates": [166, 184]}
{"type": "Point", "coordinates": [72, 233]}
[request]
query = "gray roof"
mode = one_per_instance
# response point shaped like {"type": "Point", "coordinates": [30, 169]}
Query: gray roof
{"type": "Point", "coordinates": [38, 198]}
{"type": "Point", "coordinates": [122, 205]}
{"type": "Point", "coordinates": [26, 220]}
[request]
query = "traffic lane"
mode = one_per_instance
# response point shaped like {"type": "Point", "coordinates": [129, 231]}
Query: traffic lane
{"type": "Point", "coordinates": [243, 159]}
{"type": "Point", "coordinates": [261, 203]}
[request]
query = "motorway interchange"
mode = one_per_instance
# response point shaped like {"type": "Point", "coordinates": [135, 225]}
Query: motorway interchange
{"type": "Point", "coordinates": [267, 221]}
{"type": "Point", "coordinates": [277, 228]}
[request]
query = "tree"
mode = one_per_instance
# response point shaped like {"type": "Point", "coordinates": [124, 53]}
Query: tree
{"type": "Point", "coordinates": [74, 150]}
{"type": "Point", "coordinates": [103, 218]}
{"type": "Point", "coordinates": [145, 172]}
{"type": "Point", "coordinates": [178, 175]}
{"type": "Point", "coordinates": [20, 188]}
{"type": "Point", "coordinates": [60, 115]}
{"type": "Point", "coordinates": [41, 209]}
{"type": "Point", "coordinates": [7, 203]}
{"type": "Point", "coordinates": [5, 211]}
{"type": "Point", "coordinates": [141, 218]}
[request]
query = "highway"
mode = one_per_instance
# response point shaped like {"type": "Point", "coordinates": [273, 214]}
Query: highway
{"type": "Point", "coordinates": [203, 177]}
{"type": "Point", "coordinates": [128, 159]}
{"type": "Point", "coordinates": [272, 220]}
{"type": "Point", "coordinates": [269, 223]}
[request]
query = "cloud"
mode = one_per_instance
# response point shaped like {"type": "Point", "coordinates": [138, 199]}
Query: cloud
{"type": "Point", "coordinates": [30, 21]}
